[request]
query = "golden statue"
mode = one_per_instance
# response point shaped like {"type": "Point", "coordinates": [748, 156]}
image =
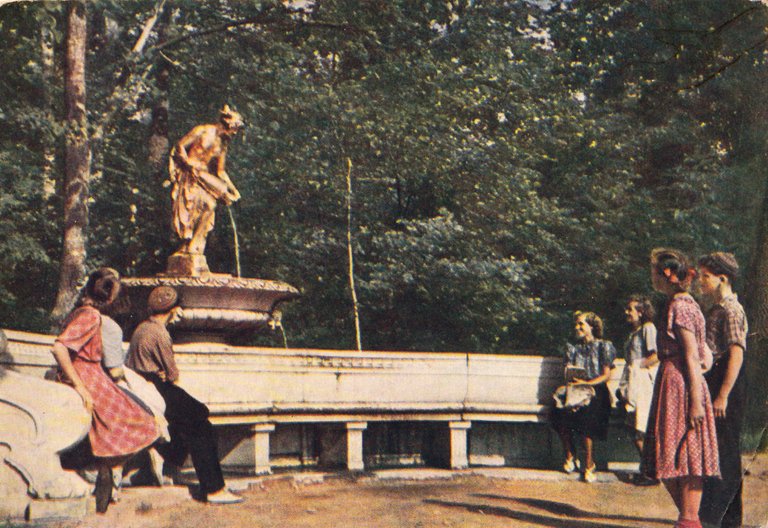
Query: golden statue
{"type": "Point", "coordinates": [196, 168]}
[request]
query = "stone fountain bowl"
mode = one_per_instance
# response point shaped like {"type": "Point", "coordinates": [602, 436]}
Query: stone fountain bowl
{"type": "Point", "coordinates": [216, 307]}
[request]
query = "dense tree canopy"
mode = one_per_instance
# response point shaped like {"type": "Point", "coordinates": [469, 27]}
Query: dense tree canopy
{"type": "Point", "coordinates": [511, 161]}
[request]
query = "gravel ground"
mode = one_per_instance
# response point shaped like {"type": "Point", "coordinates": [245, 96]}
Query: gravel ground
{"type": "Point", "coordinates": [418, 499]}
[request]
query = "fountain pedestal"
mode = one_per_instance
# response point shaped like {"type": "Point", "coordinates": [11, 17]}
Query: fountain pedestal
{"type": "Point", "coordinates": [182, 264]}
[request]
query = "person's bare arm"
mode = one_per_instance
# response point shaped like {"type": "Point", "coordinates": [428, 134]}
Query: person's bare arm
{"type": "Point", "coordinates": [181, 151]}
{"type": "Point", "coordinates": [693, 371]}
{"type": "Point", "coordinates": [648, 362]}
{"type": "Point", "coordinates": [221, 163]}
{"type": "Point", "coordinates": [735, 360]}
{"type": "Point", "coordinates": [168, 371]}
{"type": "Point", "coordinates": [233, 194]}
{"type": "Point", "coordinates": [649, 335]}
{"type": "Point", "coordinates": [602, 378]}
{"type": "Point", "coordinates": [61, 354]}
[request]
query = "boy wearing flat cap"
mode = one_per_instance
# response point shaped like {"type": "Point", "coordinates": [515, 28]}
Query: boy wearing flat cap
{"type": "Point", "coordinates": [721, 503]}
{"type": "Point", "coordinates": [151, 355]}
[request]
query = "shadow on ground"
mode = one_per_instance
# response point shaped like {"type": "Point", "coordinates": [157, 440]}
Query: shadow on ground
{"type": "Point", "coordinates": [559, 508]}
{"type": "Point", "coordinates": [555, 508]}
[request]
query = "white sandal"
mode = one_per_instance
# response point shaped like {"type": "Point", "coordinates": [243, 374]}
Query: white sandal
{"type": "Point", "coordinates": [589, 474]}
{"type": "Point", "coordinates": [571, 464]}
{"type": "Point", "coordinates": [224, 496]}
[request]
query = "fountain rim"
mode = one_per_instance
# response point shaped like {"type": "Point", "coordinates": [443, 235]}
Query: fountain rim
{"type": "Point", "coordinates": [218, 280]}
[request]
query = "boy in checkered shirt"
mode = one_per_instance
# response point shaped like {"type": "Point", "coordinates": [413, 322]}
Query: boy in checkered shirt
{"type": "Point", "coordinates": [721, 503]}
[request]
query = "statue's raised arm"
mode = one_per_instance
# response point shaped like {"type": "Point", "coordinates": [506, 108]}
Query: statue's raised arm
{"type": "Point", "coordinates": [200, 181]}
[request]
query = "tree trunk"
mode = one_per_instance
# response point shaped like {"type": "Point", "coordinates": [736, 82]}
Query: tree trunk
{"type": "Point", "coordinates": [158, 144]}
{"type": "Point", "coordinates": [77, 164]}
{"type": "Point", "coordinates": [350, 260]}
{"type": "Point", "coordinates": [758, 279]}
{"type": "Point", "coordinates": [151, 205]}
{"type": "Point", "coordinates": [756, 359]}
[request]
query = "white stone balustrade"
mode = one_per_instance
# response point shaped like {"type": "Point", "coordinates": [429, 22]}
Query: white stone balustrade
{"type": "Point", "coordinates": [262, 387]}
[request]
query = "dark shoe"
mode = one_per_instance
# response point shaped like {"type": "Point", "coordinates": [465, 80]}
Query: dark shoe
{"type": "Point", "coordinates": [103, 491]}
{"type": "Point", "coordinates": [688, 523]}
{"type": "Point", "coordinates": [639, 479]}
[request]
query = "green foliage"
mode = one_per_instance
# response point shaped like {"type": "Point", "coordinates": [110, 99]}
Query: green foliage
{"type": "Point", "coordinates": [473, 293]}
{"type": "Point", "coordinates": [510, 164]}
{"type": "Point", "coordinates": [29, 241]}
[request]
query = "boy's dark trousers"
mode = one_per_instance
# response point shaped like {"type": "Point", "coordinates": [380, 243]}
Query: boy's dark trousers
{"type": "Point", "coordinates": [721, 503]}
{"type": "Point", "coordinates": [191, 433]}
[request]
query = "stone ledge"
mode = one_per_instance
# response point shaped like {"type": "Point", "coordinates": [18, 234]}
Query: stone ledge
{"type": "Point", "coordinates": [60, 509]}
{"type": "Point", "coordinates": [239, 483]}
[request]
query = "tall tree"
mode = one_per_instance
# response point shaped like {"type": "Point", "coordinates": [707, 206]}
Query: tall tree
{"type": "Point", "coordinates": [757, 305]}
{"type": "Point", "coordinates": [77, 161]}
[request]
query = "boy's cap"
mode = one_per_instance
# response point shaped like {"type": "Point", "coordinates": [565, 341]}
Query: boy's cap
{"type": "Point", "coordinates": [162, 299]}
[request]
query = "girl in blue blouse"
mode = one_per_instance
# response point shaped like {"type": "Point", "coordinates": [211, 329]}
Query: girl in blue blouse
{"type": "Point", "coordinates": [596, 357]}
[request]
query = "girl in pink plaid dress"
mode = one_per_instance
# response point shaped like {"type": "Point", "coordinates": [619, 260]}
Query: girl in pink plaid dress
{"type": "Point", "coordinates": [681, 444]}
{"type": "Point", "coordinates": [120, 426]}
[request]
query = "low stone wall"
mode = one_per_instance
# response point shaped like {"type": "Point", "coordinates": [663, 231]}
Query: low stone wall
{"type": "Point", "coordinates": [277, 407]}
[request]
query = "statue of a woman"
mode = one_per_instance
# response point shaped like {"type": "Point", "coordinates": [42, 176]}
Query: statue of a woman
{"type": "Point", "coordinates": [196, 167]}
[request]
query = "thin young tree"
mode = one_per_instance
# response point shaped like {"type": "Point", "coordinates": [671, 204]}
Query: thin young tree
{"type": "Point", "coordinates": [48, 70]}
{"type": "Point", "coordinates": [350, 259]}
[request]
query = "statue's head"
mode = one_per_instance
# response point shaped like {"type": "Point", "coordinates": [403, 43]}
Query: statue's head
{"type": "Point", "coordinates": [231, 120]}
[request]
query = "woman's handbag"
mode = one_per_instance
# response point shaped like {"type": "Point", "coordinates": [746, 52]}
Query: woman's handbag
{"type": "Point", "coordinates": [573, 396]}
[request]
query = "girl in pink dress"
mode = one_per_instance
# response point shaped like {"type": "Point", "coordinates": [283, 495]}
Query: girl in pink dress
{"type": "Point", "coordinates": [120, 426]}
{"type": "Point", "coordinates": [681, 444]}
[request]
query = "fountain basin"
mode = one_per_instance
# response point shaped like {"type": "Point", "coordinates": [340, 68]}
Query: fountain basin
{"type": "Point", "coordinates": [216, 307]}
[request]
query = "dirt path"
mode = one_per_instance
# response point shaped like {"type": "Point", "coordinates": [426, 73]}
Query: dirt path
{"type": "Point", "coordinates": [463, 501]}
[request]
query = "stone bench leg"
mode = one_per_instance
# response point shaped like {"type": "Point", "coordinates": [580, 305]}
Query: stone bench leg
{"type": "Point", "coordinates": [458, 444]}
{"type": "Point", "coordinates": [355, 445]}
{"type": "Point", "coordinates": [260, 434]}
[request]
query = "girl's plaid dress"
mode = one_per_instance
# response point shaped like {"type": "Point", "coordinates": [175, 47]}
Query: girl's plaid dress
{"type": "Point", "coordinates": [120, 426]}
